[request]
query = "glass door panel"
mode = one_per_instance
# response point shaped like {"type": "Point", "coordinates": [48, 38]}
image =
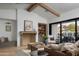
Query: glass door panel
{"type": "Point", "coordinates": [77, 30]}
{"type": "Point", "coordinates": [56, 32]}
{"type": "Point", "coordinates": [68, 31]}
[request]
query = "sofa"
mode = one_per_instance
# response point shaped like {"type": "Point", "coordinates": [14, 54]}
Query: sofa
{"type": "Point", "coordinates": [55, 50]}
{"type": "Point", "coordinates": [68, 49]}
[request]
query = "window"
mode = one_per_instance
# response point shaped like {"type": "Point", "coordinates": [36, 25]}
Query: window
{"type": "Point", "coordinates": [68, 31]}
{"type": "Point", "coordinates": [65, 31]}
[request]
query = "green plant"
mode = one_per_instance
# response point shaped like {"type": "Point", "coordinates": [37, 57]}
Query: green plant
{"type": "Point", "coordinates": [45, 37]}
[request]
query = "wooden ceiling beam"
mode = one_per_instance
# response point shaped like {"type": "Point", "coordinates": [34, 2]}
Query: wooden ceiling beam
{"type": "Point", "coordinates": [45, 6]}
{"type": "Point", "coordinates": [49, 9]}
{"type": "Point", "coordinates": [32, 7]}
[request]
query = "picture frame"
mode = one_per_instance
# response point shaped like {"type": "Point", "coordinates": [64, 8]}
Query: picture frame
{"type": "Point", "coordinates": [8, 27]}
{"type": "Point", "coordinates": [28, 25]}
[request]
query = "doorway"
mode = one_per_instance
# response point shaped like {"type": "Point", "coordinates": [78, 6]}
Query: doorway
{"type": "Point", "coordinates": [8, 33]}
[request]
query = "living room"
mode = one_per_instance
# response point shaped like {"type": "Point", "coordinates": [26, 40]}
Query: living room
{"type": "Point", "coordinates": [42, 29]}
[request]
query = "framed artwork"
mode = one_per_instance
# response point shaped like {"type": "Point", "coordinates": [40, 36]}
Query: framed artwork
{"type": "Point", "coordinates": [8, 27]}
{"type": "Point", "coordinates": [28, 25]}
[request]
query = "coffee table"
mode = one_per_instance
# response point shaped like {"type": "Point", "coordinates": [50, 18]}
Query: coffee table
{"type": "Point", "coordinates": [37, 49]}
{"type": "Point", "coordinates": [35, 46]}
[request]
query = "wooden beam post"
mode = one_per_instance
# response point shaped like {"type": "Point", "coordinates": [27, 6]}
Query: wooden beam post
{"type": "Point", "coordinates": [32, 7]}
{"type": "Point", "coordinates": [49, 9]}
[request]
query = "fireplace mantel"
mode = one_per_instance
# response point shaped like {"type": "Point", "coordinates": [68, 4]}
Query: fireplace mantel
{"type": "Point", "coordinates": [27, 32]}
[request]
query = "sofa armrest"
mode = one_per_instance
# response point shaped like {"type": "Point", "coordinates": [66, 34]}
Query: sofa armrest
{"type": "Point", "coordinates": [52, 52]}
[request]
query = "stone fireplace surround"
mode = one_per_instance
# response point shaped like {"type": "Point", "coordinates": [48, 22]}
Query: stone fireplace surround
{"type": "Point", "coordinates": [27, 37]}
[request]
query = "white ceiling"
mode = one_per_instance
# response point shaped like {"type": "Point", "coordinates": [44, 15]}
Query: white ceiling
{"type": "Point", "coordinates": [14, 5]}
{"type": "Point", "coordinates": [64, 7]}
{"type": "Point", "coordinates": [59, 7]}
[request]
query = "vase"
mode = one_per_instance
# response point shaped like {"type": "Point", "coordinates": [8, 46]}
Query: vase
{"type": "Point", "coordinates": [46, 42]}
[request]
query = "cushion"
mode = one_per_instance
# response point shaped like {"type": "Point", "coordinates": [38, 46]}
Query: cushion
{"type": "Point", "coordinates": [69, 46]}
{"type": "Point", "coordinates": [54, 46]}
{"type": "Point", "coordinates": [77, 43]}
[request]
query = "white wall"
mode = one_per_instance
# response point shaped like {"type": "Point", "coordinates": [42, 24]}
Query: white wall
{"type": "Point", "coordinates": [3, 33]}
{"type": "Point", "coordinates": [14, 30]}
{"type": "Point", "coordinates": [24, 15]}
{"type": "Point", "coordinates": [8, 14]}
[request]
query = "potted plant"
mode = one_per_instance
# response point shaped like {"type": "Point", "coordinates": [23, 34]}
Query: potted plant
{"type": "Point", "coordinates": [45, 39]}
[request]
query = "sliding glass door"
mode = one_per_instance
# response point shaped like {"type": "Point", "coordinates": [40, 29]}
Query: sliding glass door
{"type": "Point", "coordinates": [77, 30]}
{"type": "Point", "coordinates": [68, 31]}
{"type": "Point", "coordinates": [56, 32]}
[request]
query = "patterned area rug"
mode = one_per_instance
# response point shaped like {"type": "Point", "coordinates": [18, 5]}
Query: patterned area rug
{"type": "Point", "coordinates": [22, 52]}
